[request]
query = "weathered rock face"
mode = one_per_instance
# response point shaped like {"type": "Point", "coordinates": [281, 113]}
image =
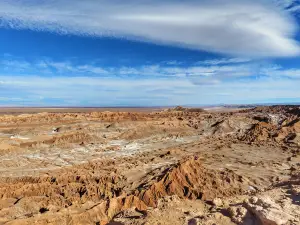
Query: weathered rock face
{"type": "Point", "coordinates": [188, 179]}
{"type": "Point", "coordinates": [261, 131]}
{"type": "Point", "coordinates": [290, 132]}
{"type": "Point", "coordinates": [105, 211]}
{"type": "Point", "coordinates": [276, 109]}
{"type": "Point", "coordinates": [238, 214]}
{"type": "Point", "coordinates": [66, 188]}
{"type": "Point", "coordinates": [52, 117]}
{"type": "Point", "coordinates": [191, 180]}
{"type": "Point", "coordinates": [101, 213]}
{"type": "Point", "coordinates": [270, 213]}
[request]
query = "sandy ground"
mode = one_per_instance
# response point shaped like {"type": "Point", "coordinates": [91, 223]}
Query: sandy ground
{"type": "Point", "coordinates": [150, 167]}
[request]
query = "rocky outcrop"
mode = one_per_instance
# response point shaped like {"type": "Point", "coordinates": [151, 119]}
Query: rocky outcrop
{"type": "Point", "coordinates": [187, 179]}
{"type": "Point", "coordinates": [268, 212]}
{"type": "Point", "coordinates": [191, 180]}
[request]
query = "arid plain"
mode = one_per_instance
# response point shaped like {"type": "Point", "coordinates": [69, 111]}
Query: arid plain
{"type": "Point", "coordinates": [150, 166]}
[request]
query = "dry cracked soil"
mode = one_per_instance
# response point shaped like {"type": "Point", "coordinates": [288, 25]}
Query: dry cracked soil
{"type": "Point", "coordinates": [153, 167]}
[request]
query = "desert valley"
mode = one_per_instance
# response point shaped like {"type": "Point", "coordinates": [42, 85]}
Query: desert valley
{"type": "Point", "coordinates": [156, 166]}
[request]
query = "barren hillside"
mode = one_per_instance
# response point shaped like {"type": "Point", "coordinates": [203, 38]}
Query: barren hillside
{"type": "Point", "coordinates": [177, 166]}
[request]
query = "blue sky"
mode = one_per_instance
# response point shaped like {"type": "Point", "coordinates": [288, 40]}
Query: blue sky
{"type": "Point", "coordinates": [148, 53]}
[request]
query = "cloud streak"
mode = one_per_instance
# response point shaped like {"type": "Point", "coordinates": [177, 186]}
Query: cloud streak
{"type": "Point", "coordinates": [94, 91]}
{"type": "Point", "coordinates": [223, 61]}
{"type": "Point", "coordinates": [235, 27]}
{"type": "Point", "coordinates": [202, 73]}
{"type": "Point", "coordinates": [213, 82]}
{"type": "Point", "coordinates": [219, 69]}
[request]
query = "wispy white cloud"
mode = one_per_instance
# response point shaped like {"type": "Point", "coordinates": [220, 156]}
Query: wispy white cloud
{"type": "Point", "coordinates": [276, 71]}
{"type": "Point", "coordinates": [225, 61]}
{"type": "Point", "coordinates": [284, 3]}
{"type": "Point", "coordinates": [51, 67]}
{"type": "Point", "coordinates": [208, 70]}
{"type": "Point", "coordinates": [173, 63]}
{"type": "Point", "coordinates": [210, 83]}
{"type": "Point", "coordinates": [145, 85]}
{"type": "Point", "coordinates": [237, 27]}
{"type": "Point", "coordinates": [291, 6]}
{"type": "Point", "coordinates": [36, 90]}
{"type": "Point", "coordinates": [89, 90]}
{"type": "Point", "coordinates": [294, 9]}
